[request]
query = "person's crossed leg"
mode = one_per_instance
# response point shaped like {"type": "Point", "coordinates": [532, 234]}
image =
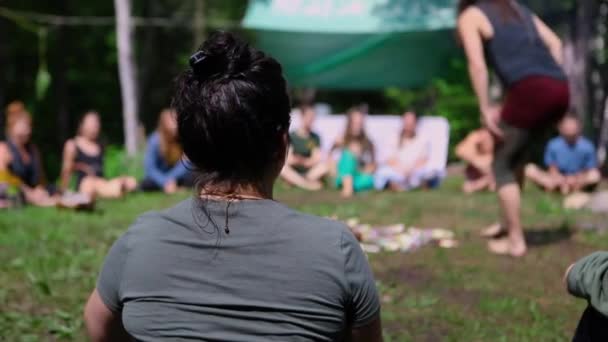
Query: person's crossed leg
{"type": "Point", "coordinates": [566, 184]}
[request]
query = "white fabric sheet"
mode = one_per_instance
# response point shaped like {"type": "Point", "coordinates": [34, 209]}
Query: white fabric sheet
{"type": "Point", "coordinates": [384, 130]}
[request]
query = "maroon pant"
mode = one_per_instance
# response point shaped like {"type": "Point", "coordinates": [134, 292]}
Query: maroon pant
{"type": "Point", "coordinates": [535, 102]}
{"type": "Point", "coordinates": [531, 107]}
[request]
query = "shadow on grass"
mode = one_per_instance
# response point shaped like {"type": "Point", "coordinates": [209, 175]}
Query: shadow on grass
{"type": "Point", "coordinates": [542, 236]}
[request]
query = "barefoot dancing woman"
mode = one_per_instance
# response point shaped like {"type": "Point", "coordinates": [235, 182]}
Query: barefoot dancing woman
{"type": "Point", "coordinates": [526, 56]}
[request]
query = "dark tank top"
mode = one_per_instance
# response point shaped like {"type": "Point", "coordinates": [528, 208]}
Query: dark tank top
{"type": "Point", "coordinates": [517, 51]}
{"type": "Point", "coordinates": [94, 162]}
{"type": "Point", "coordinates": [28, 173]}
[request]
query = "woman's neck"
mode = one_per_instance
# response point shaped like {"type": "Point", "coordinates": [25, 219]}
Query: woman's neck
{"type": "Point", "coordinates": [86, 139]}
{"type": "Point", "coordinates": [245, 191]}
{"type": "Point", "coordinates": [355, 137]}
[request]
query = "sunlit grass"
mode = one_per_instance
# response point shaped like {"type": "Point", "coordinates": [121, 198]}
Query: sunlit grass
{"type": "Point", "coordinates": [50, 261]}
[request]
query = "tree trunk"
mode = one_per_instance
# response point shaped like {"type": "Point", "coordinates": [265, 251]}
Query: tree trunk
{"type": "Point", "coordinates": [126, 68]}
{"type": "Point", "coordinates": [3, 80]}
{"type": "Point", "coordinates": [603, 136]}
{"type": "Point", "coordinates": [577, 55]}
{"type": "Point", "coordinates": [147, 59]}
{"type": "Point", "coordinates": [600, 80]}
{"type": "Point", "coordinates": [61, 84]}
{"type": "Point", "coordinates": [199, 23]}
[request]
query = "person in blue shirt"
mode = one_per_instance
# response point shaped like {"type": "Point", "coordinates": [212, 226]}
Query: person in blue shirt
{"type": "Point", "coordinates": [570, 160]}
{"type": "Point", "coordinates": [165, 170]}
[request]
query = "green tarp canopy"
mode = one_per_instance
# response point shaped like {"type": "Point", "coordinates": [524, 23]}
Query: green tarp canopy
{"type": "Point", "coordinates": [356, 44]}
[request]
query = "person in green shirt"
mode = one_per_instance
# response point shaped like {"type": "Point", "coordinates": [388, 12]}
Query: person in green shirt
{"type": "Point", "coordinates": [588, 279]}
{"type": "Point", "coordinates": [305, 166]}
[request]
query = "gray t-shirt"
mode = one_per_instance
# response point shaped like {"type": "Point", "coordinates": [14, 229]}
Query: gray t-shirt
{"type": "Point", "coordinates": [278, 275]}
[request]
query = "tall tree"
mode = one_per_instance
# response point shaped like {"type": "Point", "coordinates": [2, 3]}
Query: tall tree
{"type": "Point", "coordinates": [600, 80]}
{"type": "Point", "coordinates": [198, 23]}
{"type": "Point", "coordinates": [3, 79]}
{"type": "Point", "coordinates": [577, 55]}
{"type": "Point", "coordinates": [603, 140]}
{"type": "Point", "coordinates": [126, 68]}
{"type": "Point", "coordinates": [61, 82]}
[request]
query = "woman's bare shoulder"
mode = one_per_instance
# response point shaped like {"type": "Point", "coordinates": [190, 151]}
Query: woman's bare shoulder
{"type": "Point", "coordinates": [474, 18]}
{"type": "Point", "coordinates": [70, 145]}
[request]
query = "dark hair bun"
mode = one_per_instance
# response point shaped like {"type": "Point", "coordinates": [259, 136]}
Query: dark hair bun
{"type": "Point", "coordinates": [222, 55]}
{"type": "Point", "coordinates": [232, 109]}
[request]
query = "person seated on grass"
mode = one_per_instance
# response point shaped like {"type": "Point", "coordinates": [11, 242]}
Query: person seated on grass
{"type": "Point", "coordinates": [588, 279]}
{"type": "Point", "coordinates": [20, 160]}
{"type": "Point", "coordinates": [571, 161]}
{"type": "Point", "coordinates": [357, 163]}
{"type": "Point", "coordinates": [165, 170]}
{"type": "Point", "coordinates": [232, 263]}
{"type": "Point", "coordinates": [305, 166]}
{"type": "Point", "coordinates": [83, 156]}
{"type": "Point", "coordinates": [477, 151]}
{"type": "Point", "coordinates": [405, 170]}
{"type": "Point", "coordinates": [21, 166]}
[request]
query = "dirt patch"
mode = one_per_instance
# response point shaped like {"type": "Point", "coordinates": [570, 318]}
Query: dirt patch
{"type": "Point", "coordinates": [463, 298]}
{"type": "Point", "coordinates": [391, 269]}
{"type": "Point", "coordinates": [414, 276]}
{"type": "Point", "coordinates": [547, 236]}
{"type": "Point", "coordinates": [422, 329]}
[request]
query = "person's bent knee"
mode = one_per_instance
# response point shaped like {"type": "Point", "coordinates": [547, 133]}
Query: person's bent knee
{"type": "Point", "coordinates": [130, 183]}
{"type": "Point", "coordinates": [531, 170]}
{"type": "Point", "coordinates": [287, 169]}
{"type": "Point", "coordinates": [88, 185]}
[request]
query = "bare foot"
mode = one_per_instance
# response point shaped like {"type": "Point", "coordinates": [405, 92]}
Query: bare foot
{"type": "Point", "coordinates": [467, 188]}
{"type": "Point", "coordinates": [347, 193]}
{"type": "Point", "coordinates": [504, 246]}
{"type": "Point", "coordinates": [348, 190]}
{"type": "Point", "coordinates": [395, 187]}
{"type": "Point", "coordinates": [312, 185]}
{"type": "Point", "coordinates": [76, 201]}
{"type": "Point", "coordinates": [317, 185]}
{"type": "Point", "coordinates": [129, 184]}
{"type": "Point", "coordinates": [565, 189]}
{"type": "Point", "coordinates": [493, 231]}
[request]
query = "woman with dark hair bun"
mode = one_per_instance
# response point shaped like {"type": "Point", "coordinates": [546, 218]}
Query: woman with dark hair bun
{"type": "Point", "coordinates": [232, 264]}
{"type": "Point", "coordinates": [526, 55]}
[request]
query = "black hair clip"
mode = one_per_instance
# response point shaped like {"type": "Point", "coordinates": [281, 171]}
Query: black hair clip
{"type": "Point", "coordinates": [198, 57]}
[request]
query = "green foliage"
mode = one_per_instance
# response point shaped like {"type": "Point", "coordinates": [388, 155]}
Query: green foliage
{"type": "Point", "coordinates": [451, 98]}
{"type": "Point", "coordinates": [51, 259]}
{"type": "Point", "coordinates": [43, 81]}
{"type": "Point", "coordinates": [118, 163]}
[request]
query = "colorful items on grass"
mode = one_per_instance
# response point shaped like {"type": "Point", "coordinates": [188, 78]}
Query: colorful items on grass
{"type": "Point", "coordinates": [398, 238]}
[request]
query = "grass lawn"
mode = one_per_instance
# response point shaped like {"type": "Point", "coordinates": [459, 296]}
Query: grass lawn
{"type": "Point", "coordinates": [50, 261]}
